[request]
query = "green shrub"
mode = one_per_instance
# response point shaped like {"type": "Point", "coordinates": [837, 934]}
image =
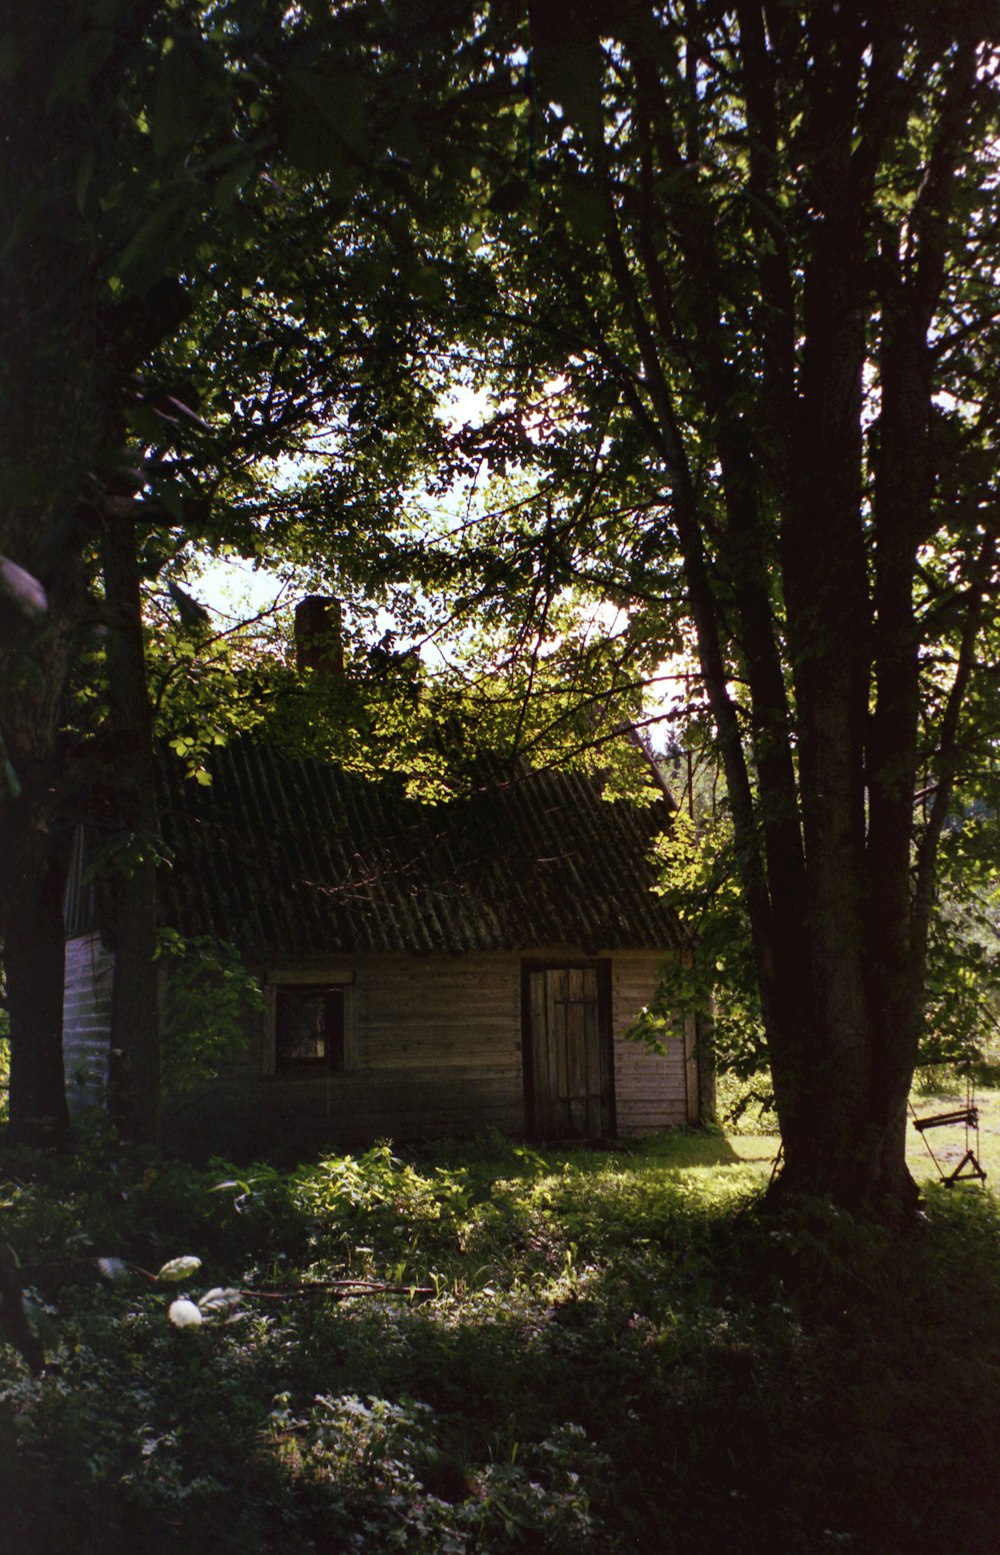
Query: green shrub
{"type": "Point", "coordinates": [210, 1001]}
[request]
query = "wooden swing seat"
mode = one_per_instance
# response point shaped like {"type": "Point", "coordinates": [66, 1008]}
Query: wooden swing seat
{"type": "Point", "coordinates": [967, 1115]}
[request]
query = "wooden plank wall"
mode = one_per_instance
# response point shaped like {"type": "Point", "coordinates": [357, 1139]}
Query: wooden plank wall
{"type": "Point", "coordinates": [650, 1089]}
{"type": "Point", "coordinates": [436, 1048]}
{"type": "Point", "coordinates": [87, 978]}
{"type": "Point", "coordinates": [436, 1051]}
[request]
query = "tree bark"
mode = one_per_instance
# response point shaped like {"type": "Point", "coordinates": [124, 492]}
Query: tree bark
{"type": "Point", "coordinates": [135, 1038]}
{"type": "Point", "coordinates": [49, 425]}
{"type": "Point", "coordinates": [34, 843]}
{"type": "Point", "coordinates": [33, 951]}
{"type": "Point", "coordinates": [800, 570]}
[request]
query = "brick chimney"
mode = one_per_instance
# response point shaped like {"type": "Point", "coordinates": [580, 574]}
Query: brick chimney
{"type": "Point", "coordinates": [318, 635]}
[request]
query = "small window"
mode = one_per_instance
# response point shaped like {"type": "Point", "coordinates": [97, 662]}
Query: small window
{"type": "Point", "coordinates": [309, 1027]}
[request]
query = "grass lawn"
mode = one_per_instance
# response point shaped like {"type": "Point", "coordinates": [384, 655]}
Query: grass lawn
{"type": "Point", "coordinates": [949, 1144]}
{"type": "Point", "coordinates": [605, 1353]}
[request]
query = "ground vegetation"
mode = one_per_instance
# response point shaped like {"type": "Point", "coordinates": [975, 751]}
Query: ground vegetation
{"type": "Point", "coordinates": [492, 1349]}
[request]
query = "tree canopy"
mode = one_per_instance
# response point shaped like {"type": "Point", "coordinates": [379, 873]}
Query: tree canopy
{"type": "Point", "coordinates": [746, 260]}
{"type": "Point", "coordinates": [727, 276]}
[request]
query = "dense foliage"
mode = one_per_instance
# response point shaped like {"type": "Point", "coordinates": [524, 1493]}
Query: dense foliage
{"type": "Point", "coordinates": [491, 1350]}
{"type": "Point", "coordinates": [208, 1008]}
{"type": "Point", "coordinates": [722, 280]}
{"type": "Point", "coordinates": [747, 256]}
{"type": "Point", "coordinates": [961, 1030]}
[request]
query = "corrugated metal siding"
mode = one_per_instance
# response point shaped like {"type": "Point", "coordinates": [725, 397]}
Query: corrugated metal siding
{"type": "Point", "coordinates": [287, 856]}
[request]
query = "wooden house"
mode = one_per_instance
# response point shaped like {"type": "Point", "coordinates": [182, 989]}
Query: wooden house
{"type": "Point", "coordinates": [427, 969]}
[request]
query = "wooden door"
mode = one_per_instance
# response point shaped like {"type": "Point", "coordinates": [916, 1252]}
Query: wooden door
{"type": "Point", "coordinates": [569, 1052]}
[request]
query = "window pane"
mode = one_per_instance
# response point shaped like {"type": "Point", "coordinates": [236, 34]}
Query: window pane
{"type": "Point", "coordinates": [309, 1026]}
{"type": "Point", "coordinates": [335, 1028]}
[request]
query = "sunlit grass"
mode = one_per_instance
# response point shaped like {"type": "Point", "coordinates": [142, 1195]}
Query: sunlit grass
{"type": "Point", "coordinates": [949, 1144]}
{"type": "Point", "coordinates": [758, 1149]}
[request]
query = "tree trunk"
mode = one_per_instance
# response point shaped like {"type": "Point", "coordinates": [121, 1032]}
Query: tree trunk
{"type": "Point", "coordinates": [34, 837]}
{"type": "Point", "coordinates": [49, 424]}
{"type": "Point", "coordinates": [853, 1155]}
{"type": "Point", "coordinates": [843, 1115]}
{"type": "Point", "coordinates": [135, 1038]}
{"type": "Point", "coordinates": [33, 959]}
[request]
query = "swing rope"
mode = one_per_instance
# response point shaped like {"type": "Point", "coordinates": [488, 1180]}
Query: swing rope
{"type": "Point", "coordinates": [968, 1168]}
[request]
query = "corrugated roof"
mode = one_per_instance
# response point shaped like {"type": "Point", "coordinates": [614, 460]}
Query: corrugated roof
{"type": "Point", "coordinates": [289, 857]}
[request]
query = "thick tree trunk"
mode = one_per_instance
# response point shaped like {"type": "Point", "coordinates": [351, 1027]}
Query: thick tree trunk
{"type": "Point", "coordinates": [34, 667]}
{"type": "Point", "coordinates": [49, 425]}
{"type": "Point", "coordinates": [843, 1112]}
{"type": "Point", "coordinates": [135, 1038]}
{"type": "Point", "coordinates": [854, 1156]}
{"type": "Point", "coordinates": [33, 961]}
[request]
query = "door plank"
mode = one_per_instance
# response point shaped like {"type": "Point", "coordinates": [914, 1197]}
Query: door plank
{"type": "Point", "coordinates": [571, 1070]}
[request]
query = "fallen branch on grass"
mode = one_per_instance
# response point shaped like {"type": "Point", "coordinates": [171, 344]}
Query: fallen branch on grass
{"type": "Point", "coordinates": [340, 1289]}
{"type": "Point", "coordinates": [115, 1268]}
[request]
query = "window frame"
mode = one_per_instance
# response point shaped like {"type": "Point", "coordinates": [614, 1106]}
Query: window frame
{"type": "Point", "coordinates": [321, 981]}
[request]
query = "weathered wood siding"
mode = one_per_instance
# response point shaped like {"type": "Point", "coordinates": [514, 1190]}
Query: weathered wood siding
{"type": "Point", "coordinates": [651, 1090]}
{"type": "Point", "coordinates": [435, 1048]}
{"type": "Point", "coordinates": [89, 968]}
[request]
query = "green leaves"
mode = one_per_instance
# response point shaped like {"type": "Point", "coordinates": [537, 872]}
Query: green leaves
{"type": "Point", "coordinates": [191, 87]}
{"type": "Point", "coordinates": [149, 253]}
{"type": "Point", "coordinates": [210, 1003]}
{"type": "Point", "coordinates": [323, 127]}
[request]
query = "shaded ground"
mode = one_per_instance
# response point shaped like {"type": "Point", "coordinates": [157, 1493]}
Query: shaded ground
{"type": "Point", "coordinates": [613, 1357]}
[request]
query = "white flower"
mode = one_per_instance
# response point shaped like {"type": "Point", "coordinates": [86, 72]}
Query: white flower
{"type": "Point", "coordinates": [113, 1269]}
{"type": "Point", "coordinates": [184, 1314]}
{"type": "Point", "coordinates": [179, 1268]}
{"type": "Point", "coordinates": [219, 1304]}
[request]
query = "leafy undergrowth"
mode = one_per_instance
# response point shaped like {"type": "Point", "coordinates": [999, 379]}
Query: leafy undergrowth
{"type": "Point", "coordinates": [582, 1354]}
